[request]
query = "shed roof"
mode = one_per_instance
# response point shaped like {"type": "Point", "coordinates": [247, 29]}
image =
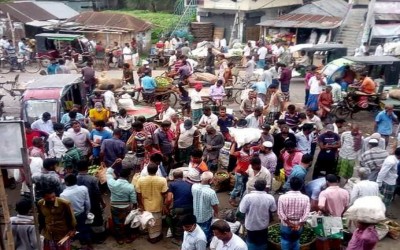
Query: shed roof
{"type": "Point", "coordinates": [30, 11]}
{"type": "Point", "coordinates": [111, 20]}
{"type": "Point", "coordinates": [324, 14]}
{"type": "Point", "coordinates": [54, 81]}
{"type": "Point", "coordinates": [60, 10]}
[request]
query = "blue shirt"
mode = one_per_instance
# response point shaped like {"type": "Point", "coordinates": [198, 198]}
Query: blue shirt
{"type": "Point", "coordinates": [148, 83]}
{"type": "Point", "coordinates": [297, 171]}
{"type": "Point", "coordinates": [385, 122]}
{"type": "Point", "coordinates": [204, 197]}
{"type": "Point", "coordinates": [113, 149]}
{"type": "Point", "coordinates": [65, 118]}
{"type": "Point", "coordinates": [121, 190]}
{"type": "Point", "coordinates": [225, 124]}
{"type": "Point", "coordinates": [314, 187]}
{"type": "Point", "coordinates": [260, 87]}
{"type": "Point", "coordinates": [79, 198]}
{"type": "Point", "coordinates": [52, 69]}
{"type": "Point", "coordinates": [182, 192]}
{"type": "Point", "coordinates": [98, 137]}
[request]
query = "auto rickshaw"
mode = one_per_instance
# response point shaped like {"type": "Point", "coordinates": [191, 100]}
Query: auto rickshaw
{"type": "Point", "coordinates": [55, 94]}
{"type": "Point", "coordinates": [54, 46]}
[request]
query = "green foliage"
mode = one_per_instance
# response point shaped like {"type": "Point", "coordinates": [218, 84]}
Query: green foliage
{"type": "Point", "coordinates": [161, 21]}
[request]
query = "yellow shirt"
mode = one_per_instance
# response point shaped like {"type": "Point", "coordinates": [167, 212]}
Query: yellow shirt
{"type": "Point", "coordinates": [98, 116]}
{"type": "Point", "coordinates": [151, 188]}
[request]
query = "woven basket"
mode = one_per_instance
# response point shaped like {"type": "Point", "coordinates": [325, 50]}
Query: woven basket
{"type": "Point", "coordinates": [163, 89]}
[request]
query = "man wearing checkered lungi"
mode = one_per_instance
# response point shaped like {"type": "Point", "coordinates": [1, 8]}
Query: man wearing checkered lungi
{"type": "Point", "coordinates": [387, 177]}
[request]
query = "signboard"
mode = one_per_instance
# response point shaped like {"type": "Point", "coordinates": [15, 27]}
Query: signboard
{"type": "Point", "coordinates": [12, 141]}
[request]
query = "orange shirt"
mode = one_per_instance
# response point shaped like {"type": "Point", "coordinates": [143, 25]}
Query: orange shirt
{"type": "Point", "coordinates": [368, 86]}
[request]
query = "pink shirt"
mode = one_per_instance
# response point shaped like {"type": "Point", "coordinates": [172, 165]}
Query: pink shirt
{"type": "Point", "coordinates": [290, 161]}
{"type": "Point", "coordinates": [335, 200]}
{"type": "Point", "coordinates": [363, 239]}
{"type": "Point", "coordinates": [293, 206]}
{"type": "Point", "coordinates": [217, 93]}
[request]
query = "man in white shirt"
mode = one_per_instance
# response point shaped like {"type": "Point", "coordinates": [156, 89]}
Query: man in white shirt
{"type": "Point", "coordinates": [379, 50]}
{"type": "Point", "coordinates": [193, 236]}
{"type": "Point", "coordinates": [267, 76]}
{"type": "Point", "coordinates": [304, 138]}
{"type": "Point", "coordinates": [226, 239]}
{"type": "Point", "coordinates": [167, 112]}
{"type": "Point", "coordinates": [208, 119]}
{"type": "Point", "coordinates": [363, 50]}
{"type": "Point", "coordinates": [109, 99]}
{"type": "Point", "coordinates": [364, 187]}
{"type": "Point", "coordinates": [250, 66]}
{"type": "Point", "coordinates": [262, 53]}
{"type": "Point", "coordinates": [256, 119]}
{"type": "Point", "coordinates": [387, 177]}
{"type": "Point", "coordinates": [257, 172]}
{"type": "Point", "coordinates": [247, 50]}
{"type": "Point", "coordinates": [44, 124]}
{"type": "Point", "coordinates": [196, 103]}
{"type": "Point", "coordinates": [258, 206]}
{"type": "Point", "coordinates": [336, 90]}
{"type": "Point", "coordinates": [56, 147]}
{"type": "Point", "coordinates": [316, 82]}
{"type": "Point", "coordinates": [172, 60]}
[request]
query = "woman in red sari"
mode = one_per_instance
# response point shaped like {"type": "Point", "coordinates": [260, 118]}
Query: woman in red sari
{"type": "Point", "coordinates": [325, 102]}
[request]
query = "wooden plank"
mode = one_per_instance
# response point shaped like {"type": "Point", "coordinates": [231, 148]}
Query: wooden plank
{"type": "Point", "coordinates": [252, 33]}
{"type": "Point", "coordinates": [9, 239]}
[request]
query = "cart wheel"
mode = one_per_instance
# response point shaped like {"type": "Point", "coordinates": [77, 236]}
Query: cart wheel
{"type": "Point", "coordinates": [238, 97]}
{"type": "Point", "coordinates": [5, 66]}
{"type": "Point", "coordinates": [32, 66]}
{"type": "Point", "coordinates": [171, 97]}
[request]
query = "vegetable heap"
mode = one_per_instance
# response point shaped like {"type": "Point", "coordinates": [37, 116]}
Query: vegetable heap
{"type": "Point", "coordinates": [274, 234]}
{"type": "Point", "coordinates": [222, 174]}
{"type": "Point", "coordinates": [162, 82]}
{"type": "Point", "coordinates": [93, 170]}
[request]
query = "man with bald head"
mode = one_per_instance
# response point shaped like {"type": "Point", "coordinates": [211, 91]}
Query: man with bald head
{"type": "Point", "coordinates": [364, 187]}
{"type": "Point", "coordinates": [384, 122]}
{"type": "Point", "coordinates": [351, 142]}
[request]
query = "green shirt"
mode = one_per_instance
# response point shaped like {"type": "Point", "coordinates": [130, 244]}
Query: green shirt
{"type": "Point", "coordinates": [71, 158]}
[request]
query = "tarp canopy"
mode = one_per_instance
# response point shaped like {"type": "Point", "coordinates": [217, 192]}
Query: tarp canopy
{"type": "Point", "coordinates": [385, 30]}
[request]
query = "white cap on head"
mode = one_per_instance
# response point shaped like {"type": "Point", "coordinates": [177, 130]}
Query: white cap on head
{"type": "Point", "coordinates": [267, 144]}
{"type": "Point", "coordinates": [373, 140]}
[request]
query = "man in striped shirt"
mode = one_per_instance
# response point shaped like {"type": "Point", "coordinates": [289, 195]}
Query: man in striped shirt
{"type": "Point", "coordinates": [373, 158]}
{"type": "Point", "coordinates": [293, 208]}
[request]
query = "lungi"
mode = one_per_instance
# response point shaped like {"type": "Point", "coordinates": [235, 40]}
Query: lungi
{"type": "Point", "coordinates": [52, 245]}
{"type": "Point", "coordinates": [155, 231]}
{"type": "Point", "coordinates": [118, 217]}
{"type": "Point", "coordinates": [388, 193]}
{"type": "Point", "coordinates": [312, 102]}
{"type": "Point", "coordinates": [346, 167]}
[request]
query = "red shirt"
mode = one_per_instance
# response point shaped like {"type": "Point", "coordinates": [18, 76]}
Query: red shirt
{"type": "Point", "coordinates": [29, 137]}
{"type": "Point", "coordinates": [243, 161]}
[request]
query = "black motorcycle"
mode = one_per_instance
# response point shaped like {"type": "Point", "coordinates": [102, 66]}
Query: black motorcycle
{"type": "Point", "coordinates": [349, 105]}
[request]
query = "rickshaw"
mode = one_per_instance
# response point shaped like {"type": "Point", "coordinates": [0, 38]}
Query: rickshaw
{"type": "Point", "coordinates": [55, 94]}
{"type": "Point", "coordinates": [384, 70]}
{"type": "Point", "coordinates": [54, 46]}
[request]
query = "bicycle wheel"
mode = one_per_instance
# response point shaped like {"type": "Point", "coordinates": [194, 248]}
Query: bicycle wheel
{"type": "Point", "coordinates": [32, 66]}
{"type": "Point", "coordinates": [238, 96]}
{"type": "Point", "coordinates": [5, 66]}
{"type": "Point", "coordinates": [171, 97]}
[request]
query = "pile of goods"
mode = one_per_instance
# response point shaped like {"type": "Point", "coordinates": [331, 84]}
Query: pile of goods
{"type": "Point", "coordinates": [221, 181]}
{"type": "Point", "coordinates": [163, 83]}
{"type": "Point", "coordinates": [202, 31]}
{"type": "Point", "coordinates": [94, 169]}
{"type": "Point", "coordinates": [274, 235]}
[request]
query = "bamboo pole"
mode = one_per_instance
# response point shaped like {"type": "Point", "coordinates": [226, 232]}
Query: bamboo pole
{"type": "Point", "coordinates": [9, 239]}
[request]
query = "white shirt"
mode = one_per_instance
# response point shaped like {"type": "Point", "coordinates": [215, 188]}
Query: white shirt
{"type": "Point", "coordinates": [347, 148]}
{"type": "Point", "coordinates": [316, 121]}
{"type": "Point", "coordinates": [278, 52]}
{"type": "Point", "coordinates": [127, 53]}
{"type": "Point", "coordinates": [195, 240]}
{"type": "Point", "coordinates": [336, 92]}
{"type": "Point", "coordinates": [186, 136]}
{"type": "Point", "coordinates": [364, 188]}
{"type": "Point", "coordinates": [263, 174]}
{"type": "Point", "coordinates": [195, 97]}
{"type": "Point", "coordinates": [79, 198]}
{"type": "Point", "coordinates": [144, 172]}
{"type": "Point", "coordinates": [166, 115]}
{"type": "Point", "coordinates": [172, 60]}
{"type": "Point", "coordinates": [223, 42]}
{"type": "Point", "coordinates": [315, 87]}
{"type": "Point", "coordinates": [43, 126]}
{"type": "Point", "coordinates": [210, 120]}
{"type": "Point", "coordinates": [235, 243]}
{"type": "Point", "coordinates": [80, 139]}
{"type": "Point", "coordinates": [246, 51]}
{"type": "Point", "coordinates": [388, 172]}
{"type": "Point", "coordinates": [262, 52]}
{"type": "Point", "coordinates": [257, 206]}
{"type": "Point", "coordinates": [56, 147]}
{"type": "Point", "coordinates": [379, 50]}
{"type": "Point", "coordinates": [109, 101]}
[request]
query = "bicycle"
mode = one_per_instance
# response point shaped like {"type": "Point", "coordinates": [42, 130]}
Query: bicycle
{"type": "Point", "coordinates": [23, 64]}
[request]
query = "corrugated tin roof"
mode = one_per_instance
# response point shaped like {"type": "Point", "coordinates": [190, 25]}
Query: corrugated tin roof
{"type": "Point", "coordinates": [304, 21]}
{"type": "Point", "coordinates": [324, 14]}
{"type": "Point", "coordinates": [54, 81]}
{"type": "Point", "coordinates": [111, 20]}
{"type": "Point", "coordinates": [60, 10]}
{"type": "Point", "coordinates": [25, 12]}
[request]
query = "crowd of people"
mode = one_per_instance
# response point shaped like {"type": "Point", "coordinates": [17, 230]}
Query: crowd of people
{"type": "Point", "coordinates": [167, 166]}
